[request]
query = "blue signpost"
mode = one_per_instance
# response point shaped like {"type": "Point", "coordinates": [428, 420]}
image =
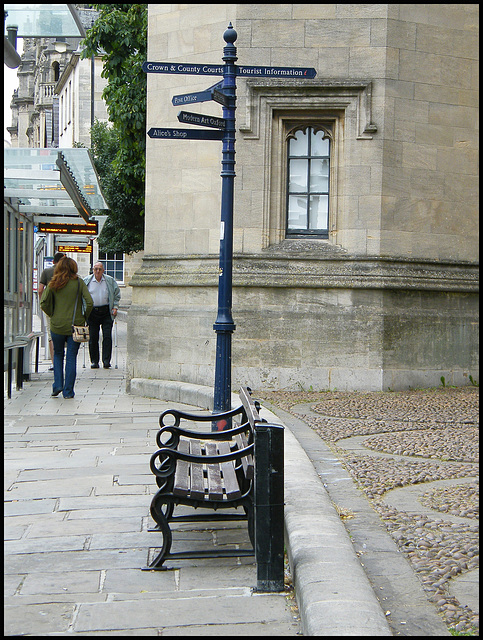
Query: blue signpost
{"type": "Point", "coordinates": [224, 325]}
{"type": "Point", "coordinates": [224, 93]}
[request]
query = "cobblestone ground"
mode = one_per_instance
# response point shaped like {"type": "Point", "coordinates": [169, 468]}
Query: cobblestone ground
{"type": "Point", "coordinates": [434, 433]}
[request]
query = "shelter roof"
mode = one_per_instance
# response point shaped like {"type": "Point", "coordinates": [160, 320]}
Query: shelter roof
{"type": "Point", "coordinates": [55, 184]}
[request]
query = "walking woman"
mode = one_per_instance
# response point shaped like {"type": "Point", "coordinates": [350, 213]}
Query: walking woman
{"type": "Point", "coordinates": [58, 301]}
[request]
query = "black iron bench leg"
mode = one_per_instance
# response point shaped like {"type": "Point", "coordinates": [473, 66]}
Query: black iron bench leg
{"type": "Point", "coordinates": [162, 527]}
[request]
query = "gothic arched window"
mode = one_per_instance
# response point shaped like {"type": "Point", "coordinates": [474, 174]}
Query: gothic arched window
{"type": "Point", "coordinates": [308, 182]}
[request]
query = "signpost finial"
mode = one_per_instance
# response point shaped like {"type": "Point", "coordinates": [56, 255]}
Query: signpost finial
{"type": "Point", "coordinates": [230, 34]}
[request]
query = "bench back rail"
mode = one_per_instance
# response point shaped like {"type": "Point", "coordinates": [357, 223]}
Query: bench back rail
{"type": "Point", "coordinates": [169, 435]}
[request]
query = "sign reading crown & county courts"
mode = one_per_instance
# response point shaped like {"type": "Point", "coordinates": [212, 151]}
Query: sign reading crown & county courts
{"type": "Point", "coordinates": [217, 70]}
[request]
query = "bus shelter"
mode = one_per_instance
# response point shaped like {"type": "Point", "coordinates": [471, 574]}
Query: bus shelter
{"type": "Point", "coordinates": [40, 186]}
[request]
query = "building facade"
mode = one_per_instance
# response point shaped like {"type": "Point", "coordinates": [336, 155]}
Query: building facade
{"type": "Point", "coordinates": [355, 216]}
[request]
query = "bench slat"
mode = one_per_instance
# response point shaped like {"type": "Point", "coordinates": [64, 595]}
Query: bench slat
{"type": "Point", "coordinates": [197, 475]}
{"type": "Point", "coordinates": [215, 484]}
{"type": "Point", "coordinates": [230, 481]}
{"type": "Point", "coordinates": [182, 482]}
{"type": "Point", "coordinates": [214, 481]}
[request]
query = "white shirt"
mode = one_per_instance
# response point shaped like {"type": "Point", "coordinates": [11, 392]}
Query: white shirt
{"type": "Point", "coordinates": [98, 291]}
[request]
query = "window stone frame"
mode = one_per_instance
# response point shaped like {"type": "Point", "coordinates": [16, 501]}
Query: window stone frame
{"type": "Point", "coordinates": [345, 107]}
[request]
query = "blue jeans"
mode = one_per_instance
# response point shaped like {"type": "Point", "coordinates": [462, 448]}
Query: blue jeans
{"type": "Point", "coordinates": [61, 383]}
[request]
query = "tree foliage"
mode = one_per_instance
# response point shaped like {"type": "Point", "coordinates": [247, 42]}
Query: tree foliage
{"type": "Point", "coordinates": [123, 229]}
{"type": "Point", "coordinates": [119, 36]}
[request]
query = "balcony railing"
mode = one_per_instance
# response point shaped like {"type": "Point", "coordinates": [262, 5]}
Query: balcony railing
{"type": "Point", "coordinates": [45, 93]}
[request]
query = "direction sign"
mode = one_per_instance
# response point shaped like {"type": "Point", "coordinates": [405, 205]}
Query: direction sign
{"type": "Point", "coordinates": [201, 120]}
{"type": "Point", "coordinates": [219, 97]}
{"type": "Point", "coordinates": [195, 96]}
{"type": "Point", "coordinates": [184, 134]}
{"type": "Point", "coordinates": [276, 72]}
{"type": "Point", "coordinates": [183, 67]}
{"type": "Point", "coordinates": [190, 98]}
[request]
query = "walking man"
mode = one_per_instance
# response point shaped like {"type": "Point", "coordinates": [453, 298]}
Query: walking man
{"type": "Point", "coordinates": [106, 295]}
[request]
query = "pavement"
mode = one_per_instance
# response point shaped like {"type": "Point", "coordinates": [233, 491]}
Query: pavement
{"type": "Point", "coordinates": [77, 494]}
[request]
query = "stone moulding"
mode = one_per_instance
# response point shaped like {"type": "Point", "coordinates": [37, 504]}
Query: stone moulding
{"type": "Point", "coordinates": [268, 94]}
{"type": "Point", "coordinates": [345, 272]}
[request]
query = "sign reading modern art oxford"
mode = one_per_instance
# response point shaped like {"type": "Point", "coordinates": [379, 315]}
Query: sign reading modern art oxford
{"type": "Point", "coordinates": [203, 121]}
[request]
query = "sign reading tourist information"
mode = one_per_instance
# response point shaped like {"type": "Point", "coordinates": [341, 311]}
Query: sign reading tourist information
{"type": "Point", "coordinates": [201, 120]}
{"type": "Point", "coordinates": [184, 134]}
{"type": "Point", "coordinates": [224, 93]}
{"type": "Point", "coordinates": [276, 72]}
{"type": "Point", "coordinates": [217, 70]}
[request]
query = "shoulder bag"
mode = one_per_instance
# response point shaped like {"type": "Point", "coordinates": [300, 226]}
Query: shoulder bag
{"type": "Point", "coordinates": [79, 333]}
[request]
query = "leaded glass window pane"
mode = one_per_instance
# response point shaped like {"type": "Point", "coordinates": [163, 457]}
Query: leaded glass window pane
{"type": "Point", "coordinates": [297, 212]}
{"type": "Point", "coordinates": [298, 145]}
{"type": "Point", "coordinates": [298, 176]}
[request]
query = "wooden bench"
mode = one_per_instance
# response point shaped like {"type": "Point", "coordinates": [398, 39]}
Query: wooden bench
{"type": "Point", "coordinates": [216, 471]}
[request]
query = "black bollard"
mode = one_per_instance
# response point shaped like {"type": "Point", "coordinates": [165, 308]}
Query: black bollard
{"type": "Point", "coordinates": [269, 497]}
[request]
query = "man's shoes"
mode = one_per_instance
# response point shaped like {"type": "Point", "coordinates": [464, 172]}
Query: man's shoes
{"type": "Point", "coordinates": [94, 366]}
{"type": "Point", "coordinates": [54, 394]}
{"type": "Point", "coordinates": [107, 366]}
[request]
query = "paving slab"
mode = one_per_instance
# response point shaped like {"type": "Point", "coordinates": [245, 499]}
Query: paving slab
{"type": "Point", "coordinates": [199, 610]}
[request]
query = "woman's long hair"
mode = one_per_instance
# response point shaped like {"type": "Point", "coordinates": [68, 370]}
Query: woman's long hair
{"type": "Point", "coordinates": [65, 270]}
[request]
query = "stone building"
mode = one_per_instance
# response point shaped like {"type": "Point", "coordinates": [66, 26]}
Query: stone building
{"type": "Point", "coordinates": [59, 95]}
{"type": "Point", "coordinates": [355, 216]}
{"type": "Point", "coordinates": [35, 110]}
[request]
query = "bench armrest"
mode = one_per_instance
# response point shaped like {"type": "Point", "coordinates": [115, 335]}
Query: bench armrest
{"type": "Point", "coordinates": [200, 417]}
{"type": "Point", "coordinates": [250, 406]}
{"type": "Point", "coordinates": [176, 432]}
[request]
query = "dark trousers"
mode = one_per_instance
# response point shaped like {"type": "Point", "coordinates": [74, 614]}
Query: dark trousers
{"type": "Point", "coordinates": [100, 317]}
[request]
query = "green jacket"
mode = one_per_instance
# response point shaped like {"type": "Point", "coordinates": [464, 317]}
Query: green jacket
{"type": "Point", "coordinates": [59, 305]}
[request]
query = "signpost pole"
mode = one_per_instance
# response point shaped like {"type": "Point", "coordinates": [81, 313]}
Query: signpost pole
{"type": "Point", "coordinates": [224, 324]}
{"type": "Point", "coordinates": [225, 130]}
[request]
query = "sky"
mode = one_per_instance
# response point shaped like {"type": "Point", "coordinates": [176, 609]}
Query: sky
{"type": "Point", "coordinates": [10, 82]}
